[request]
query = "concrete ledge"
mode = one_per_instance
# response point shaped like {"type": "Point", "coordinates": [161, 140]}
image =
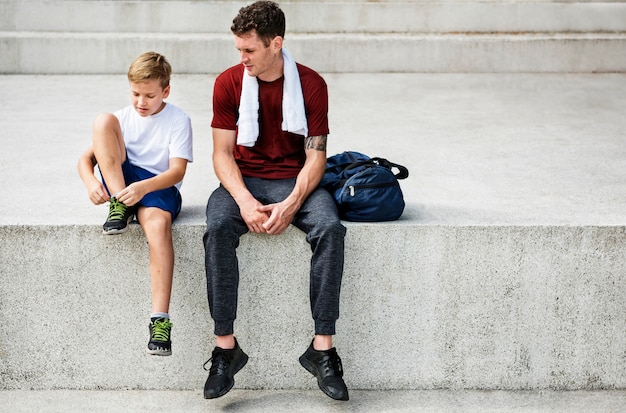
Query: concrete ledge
{"type": "Point", "coordinates": [423, 307]}
{"type": "Point", "coordinates": [506, 270]}
{"type": "Point", "coordinates": [312, 401]}
{"type": "Point", "coordinates": [382, 16]}
{"type": "Point", "coordinates": [194, 53]}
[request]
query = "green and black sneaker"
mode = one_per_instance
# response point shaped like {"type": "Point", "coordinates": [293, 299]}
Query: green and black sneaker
{"type": "Point", "coordinates": [119, 217]}
{"type": "Point", "coordinates": [160, 343]}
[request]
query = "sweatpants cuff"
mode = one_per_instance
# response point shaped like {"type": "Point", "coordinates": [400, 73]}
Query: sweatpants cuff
{"type": "Point", "coordinates": [325, 327]}
{"type": "Point", "coordinates": [224, 328]}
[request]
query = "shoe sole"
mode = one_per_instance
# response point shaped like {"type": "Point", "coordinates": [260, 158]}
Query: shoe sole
{"type": "Point", "coordinates": [242, 363]}
{"type": "Point", "coordinates": [119, 231]}
{"type": "Point", "coordinates": [308, 366]}
{"type": "Point", "coordinates": [159, 352]}
{"type": "Point", "coordinates": [115, 231]}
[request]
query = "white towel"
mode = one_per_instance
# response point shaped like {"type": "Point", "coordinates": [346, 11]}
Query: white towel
{"type": "Point", "coordinates": [294, 118]}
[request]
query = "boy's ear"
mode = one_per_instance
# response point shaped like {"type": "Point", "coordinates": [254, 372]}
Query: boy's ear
{"type": "Point", "coordinates": [166, 92]}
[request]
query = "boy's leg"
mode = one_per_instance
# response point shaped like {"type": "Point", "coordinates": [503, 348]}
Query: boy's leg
{"type": "Point", "coordinates": [157, 225]}
{"type": "Point", "coordinates": [156, 213]}
{"type": "Point", "coordinates": [109, 150]}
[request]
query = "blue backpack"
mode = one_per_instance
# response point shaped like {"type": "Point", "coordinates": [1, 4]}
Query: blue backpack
{"type": "Point", "coordinates": [365, 189]}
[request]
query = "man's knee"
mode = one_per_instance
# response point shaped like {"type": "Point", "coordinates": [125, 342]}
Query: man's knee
{"type": "Point", "coordinates": [331, 233]}
{"type": "Point", "coordinates": [220, 228]}
{"type": "Point", "coordinates": [222, 215]}
{"type": "Point", "coordinates": [332, 228]}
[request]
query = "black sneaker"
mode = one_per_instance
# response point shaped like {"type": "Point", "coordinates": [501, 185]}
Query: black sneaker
{"type": "Point", "coordinates": [160, 343]}
{"type": "Point", "coordinates": [119, 217]}
{"type": "Point", "coordinates": [226, 363]}
{"type": "Point", "coordinates": [326, 367]}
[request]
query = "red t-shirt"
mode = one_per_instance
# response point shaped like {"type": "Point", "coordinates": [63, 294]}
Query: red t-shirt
{"type": "Point", "coordinates": [277, 154]}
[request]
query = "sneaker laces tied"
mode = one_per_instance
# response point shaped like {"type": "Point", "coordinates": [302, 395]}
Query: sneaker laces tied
{"type": "Point", "coordinates": [161, 330]}
{"type": "Point", "coordinates": [331, 364]}
{"type": "Point", "coordinates": [117, 210]}
{"type": "Point", "coordinates": [219, 364]}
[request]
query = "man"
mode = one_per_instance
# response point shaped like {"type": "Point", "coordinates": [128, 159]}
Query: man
{"type": "Point", "coordinates": [270, 126]}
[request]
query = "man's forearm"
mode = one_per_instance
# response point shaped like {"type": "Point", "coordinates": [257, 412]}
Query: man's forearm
{"type": "Point", "coordinates": [313, 170]}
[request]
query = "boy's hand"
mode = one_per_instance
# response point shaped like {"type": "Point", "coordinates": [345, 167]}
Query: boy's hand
{"type": "Point", "coordinates": [97, 194]}
{"type": "Point", "coordinates": [132, 194]}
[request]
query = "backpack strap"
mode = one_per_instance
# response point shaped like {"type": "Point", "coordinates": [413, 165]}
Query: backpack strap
{"type": "Point", "coordinates": [403, 172]}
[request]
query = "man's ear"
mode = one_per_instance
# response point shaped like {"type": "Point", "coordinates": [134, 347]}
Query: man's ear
{"type": "Point", "coordinates": [166, 92]}
{"type": "Point", "coordinates": [277, 43]}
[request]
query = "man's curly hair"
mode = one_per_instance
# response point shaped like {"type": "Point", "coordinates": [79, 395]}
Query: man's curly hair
{"type": "Point", "coordinates": [263, 16]}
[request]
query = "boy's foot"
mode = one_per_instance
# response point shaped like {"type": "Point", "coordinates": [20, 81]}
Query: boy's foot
{"type": "Point", "coordinates": [226, 363]}
{"type": "Point", "coordinates": [326, 367]}
{"type": "Point", "coordinates": [160, 343]}
{"type": "Point", "coordinates": [119, 217]}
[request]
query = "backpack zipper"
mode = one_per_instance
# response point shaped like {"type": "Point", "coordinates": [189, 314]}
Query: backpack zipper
{"type": "Point", "coordinates": [352, 188]}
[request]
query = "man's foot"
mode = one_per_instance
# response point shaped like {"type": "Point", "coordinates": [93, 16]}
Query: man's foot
{"type": "Point", "coordinates": [160, 343]}
{"type": "Point", "coordinates": [119, 217]}
{"type": "Point", "coordinates": [326, 367]}
{"type": "Point", "coordinates": [226, 363]}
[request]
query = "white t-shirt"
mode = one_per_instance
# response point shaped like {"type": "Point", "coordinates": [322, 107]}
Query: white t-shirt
{"type": "Point", "coordinates": [151, 141]}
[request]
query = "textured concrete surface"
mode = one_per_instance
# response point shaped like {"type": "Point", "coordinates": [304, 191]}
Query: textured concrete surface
{"type": "Point", "coordinates": [436, 307]}
{"type": "Point", "coordinates": [482, 149]}
{"type": "Point", "coordinates": [334, 36]}
{"type": "Point", "coordinates": [282, 401]}
{"type": "Point", "coordinates": [326, 16]}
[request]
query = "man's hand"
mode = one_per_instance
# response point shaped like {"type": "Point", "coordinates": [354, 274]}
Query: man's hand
{"type": "Point", "coordinates": [253, 217]}
{"type": "Point", "coordinates": [280, 216]}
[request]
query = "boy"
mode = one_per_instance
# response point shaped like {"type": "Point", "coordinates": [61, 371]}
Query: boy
{"type": "Point", "coordinates": [142, 152]}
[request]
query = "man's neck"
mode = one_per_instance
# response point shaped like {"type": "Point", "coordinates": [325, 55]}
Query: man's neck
{"type": "Point", "coordinates": [275, 72]}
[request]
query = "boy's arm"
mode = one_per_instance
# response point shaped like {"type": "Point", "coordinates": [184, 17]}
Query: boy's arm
{"type": "Point", "coordinates": [95, 190]}
{"type": "Point", "coordinates": [135, 191]}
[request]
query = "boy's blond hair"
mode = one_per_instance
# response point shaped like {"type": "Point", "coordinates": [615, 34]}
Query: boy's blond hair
{"type": "Point", "coordinates": [150, 65]}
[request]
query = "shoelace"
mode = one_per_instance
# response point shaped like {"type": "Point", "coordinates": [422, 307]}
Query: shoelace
{"type": "Point", "coordinates": [332, 364]}
{"type": "Point", "coordinates": [117, 210]}
{"type": "Point", "coordinates": [161, 330]}
{"type": "Point", "coordinates": [220, 363]}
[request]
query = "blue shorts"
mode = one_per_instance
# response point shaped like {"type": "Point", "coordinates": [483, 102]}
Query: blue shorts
{"type": "Point", "coordinates": [168, 199]}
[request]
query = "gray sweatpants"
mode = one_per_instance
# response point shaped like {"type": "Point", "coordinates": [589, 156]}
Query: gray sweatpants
{"type": "Point", "coordinates": [325, 234]}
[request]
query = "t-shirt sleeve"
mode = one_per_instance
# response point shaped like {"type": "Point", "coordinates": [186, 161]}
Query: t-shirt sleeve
{"type": "Point", "coordinates": [181, 143]}
{"type": "Point", "coordinates": [225, 104]}
{"type": "Point", "coordinates": [315, 93]}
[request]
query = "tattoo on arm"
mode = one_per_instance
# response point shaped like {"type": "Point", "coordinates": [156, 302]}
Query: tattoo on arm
{"type": "Point", "coordinates": [316, 142]}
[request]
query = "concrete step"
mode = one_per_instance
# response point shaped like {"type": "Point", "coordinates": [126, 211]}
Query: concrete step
{"type": "Point", "coordinates": [193, 53]}
{"type": "Point", "coordinates": [289, 401]}
{"type": "Point", "coordinates": [505, 272]}
{"type": "Point", "coordinates": [61, 37]}
{"type": "Point", "coordinates": [357, 16]}
{"type": "Point", "coordinates": [498, 307]}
